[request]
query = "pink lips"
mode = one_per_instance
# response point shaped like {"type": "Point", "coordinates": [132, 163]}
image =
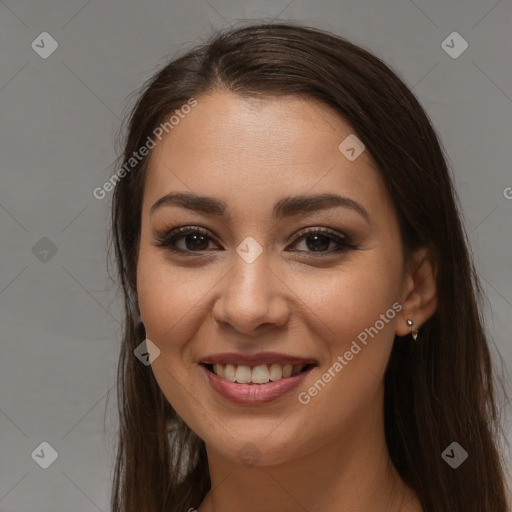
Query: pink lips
{"type": "Point", "coordinates": [248, 394]}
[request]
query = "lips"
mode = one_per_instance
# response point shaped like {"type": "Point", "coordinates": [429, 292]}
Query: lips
{"type": "Point", "coordinates": [255, 378]}
{"type": "Point", "coordinates": [251, 393]}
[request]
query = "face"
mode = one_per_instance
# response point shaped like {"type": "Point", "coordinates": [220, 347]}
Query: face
{"type": "Point", "coordinates": [260, 273]}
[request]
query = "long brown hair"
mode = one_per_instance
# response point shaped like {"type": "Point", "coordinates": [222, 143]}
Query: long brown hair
{"type": "Point", "coordinates": [438, 390]}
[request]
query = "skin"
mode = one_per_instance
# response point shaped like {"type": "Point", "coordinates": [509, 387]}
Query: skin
{"type": "Point", "coordinates": [331, 454]}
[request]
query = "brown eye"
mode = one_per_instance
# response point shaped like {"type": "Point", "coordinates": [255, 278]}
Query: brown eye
{"type": "Point", "coordinates": [319, 240]}
{"type": "Point", "coordinates": [196, 239]}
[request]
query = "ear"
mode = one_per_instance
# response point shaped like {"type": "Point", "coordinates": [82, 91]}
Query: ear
{"type": "Point", "coordinates": [419, 292]}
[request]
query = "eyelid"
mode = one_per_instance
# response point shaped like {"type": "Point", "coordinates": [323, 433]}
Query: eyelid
{"type": "Point", "coordinates": [162, 237]}
{"type": "Point", "coordinates": [313, 230]}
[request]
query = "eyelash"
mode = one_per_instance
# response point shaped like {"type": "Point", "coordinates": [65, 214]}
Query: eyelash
{"type": "Point", "coordinates": [168, 238]}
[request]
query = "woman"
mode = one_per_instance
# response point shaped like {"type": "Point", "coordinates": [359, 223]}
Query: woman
{"type": "Point", "coordinates": [302, 322]}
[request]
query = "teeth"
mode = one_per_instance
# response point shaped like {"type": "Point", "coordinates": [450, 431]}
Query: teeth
{"type": "Point", "coordinates": [276, 371]}
{"type": "Point", "coordinates": [259, 374]}
{"type": "Point", "coordinates": [229, 372]}
{"type": "Point", "coordinates": [243, 374]}
{"type": "Point", "coordinates": [219, 370]}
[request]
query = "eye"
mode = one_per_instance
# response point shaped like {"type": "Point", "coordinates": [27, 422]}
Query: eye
{"type": "Point", "coordinates": [321, 238]}
{"type": "Point", "coordinates": [197, 239]}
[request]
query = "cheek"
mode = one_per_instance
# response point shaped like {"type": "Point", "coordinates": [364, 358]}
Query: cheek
{"type": "Point", "coordinates": [169, 301]}
{"type": "Point", "coordinates": [168, 297]}
{"type": "Point", "coordinates": [353, 298]}
{"type": "Point", "coordinates": [355, 313]}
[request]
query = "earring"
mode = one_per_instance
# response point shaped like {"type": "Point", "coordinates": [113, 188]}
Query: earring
{"type": "Point", "coordinates": [414, 332]}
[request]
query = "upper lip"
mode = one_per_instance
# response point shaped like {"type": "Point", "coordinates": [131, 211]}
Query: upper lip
{"type": "Point", "coordinates": [255, 359]}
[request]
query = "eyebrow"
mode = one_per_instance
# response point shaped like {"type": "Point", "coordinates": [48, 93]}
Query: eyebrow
{"type": "Point", "coordinates": [285, 207]}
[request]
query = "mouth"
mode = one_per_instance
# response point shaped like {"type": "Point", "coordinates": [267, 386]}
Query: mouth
{"type": "Point", "coordinates": [260, 374]}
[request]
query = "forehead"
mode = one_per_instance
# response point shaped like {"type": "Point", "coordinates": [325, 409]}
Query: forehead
{"type": "Point", "coordinates": [257, 150]}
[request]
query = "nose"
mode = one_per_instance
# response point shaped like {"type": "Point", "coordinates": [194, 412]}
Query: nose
{"type": "Point", "coordinates": [252, 297]}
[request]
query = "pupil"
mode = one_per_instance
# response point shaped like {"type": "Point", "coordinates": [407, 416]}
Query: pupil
{"type": "Point", "coordinates": [197, 246]}
{"type": "Point", "coordinates": [322, 246]}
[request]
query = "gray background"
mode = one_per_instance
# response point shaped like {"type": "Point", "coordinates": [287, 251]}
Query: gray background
{"type": "Point", "coordinates": [60, 318]}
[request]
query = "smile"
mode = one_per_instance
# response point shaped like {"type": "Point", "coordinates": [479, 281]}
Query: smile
{"type": "Point", "coordinates": [260, 384]}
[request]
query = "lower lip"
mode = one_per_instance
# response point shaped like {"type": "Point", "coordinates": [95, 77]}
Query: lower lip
{"type": "Point", "coordinates": [253, 393]}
